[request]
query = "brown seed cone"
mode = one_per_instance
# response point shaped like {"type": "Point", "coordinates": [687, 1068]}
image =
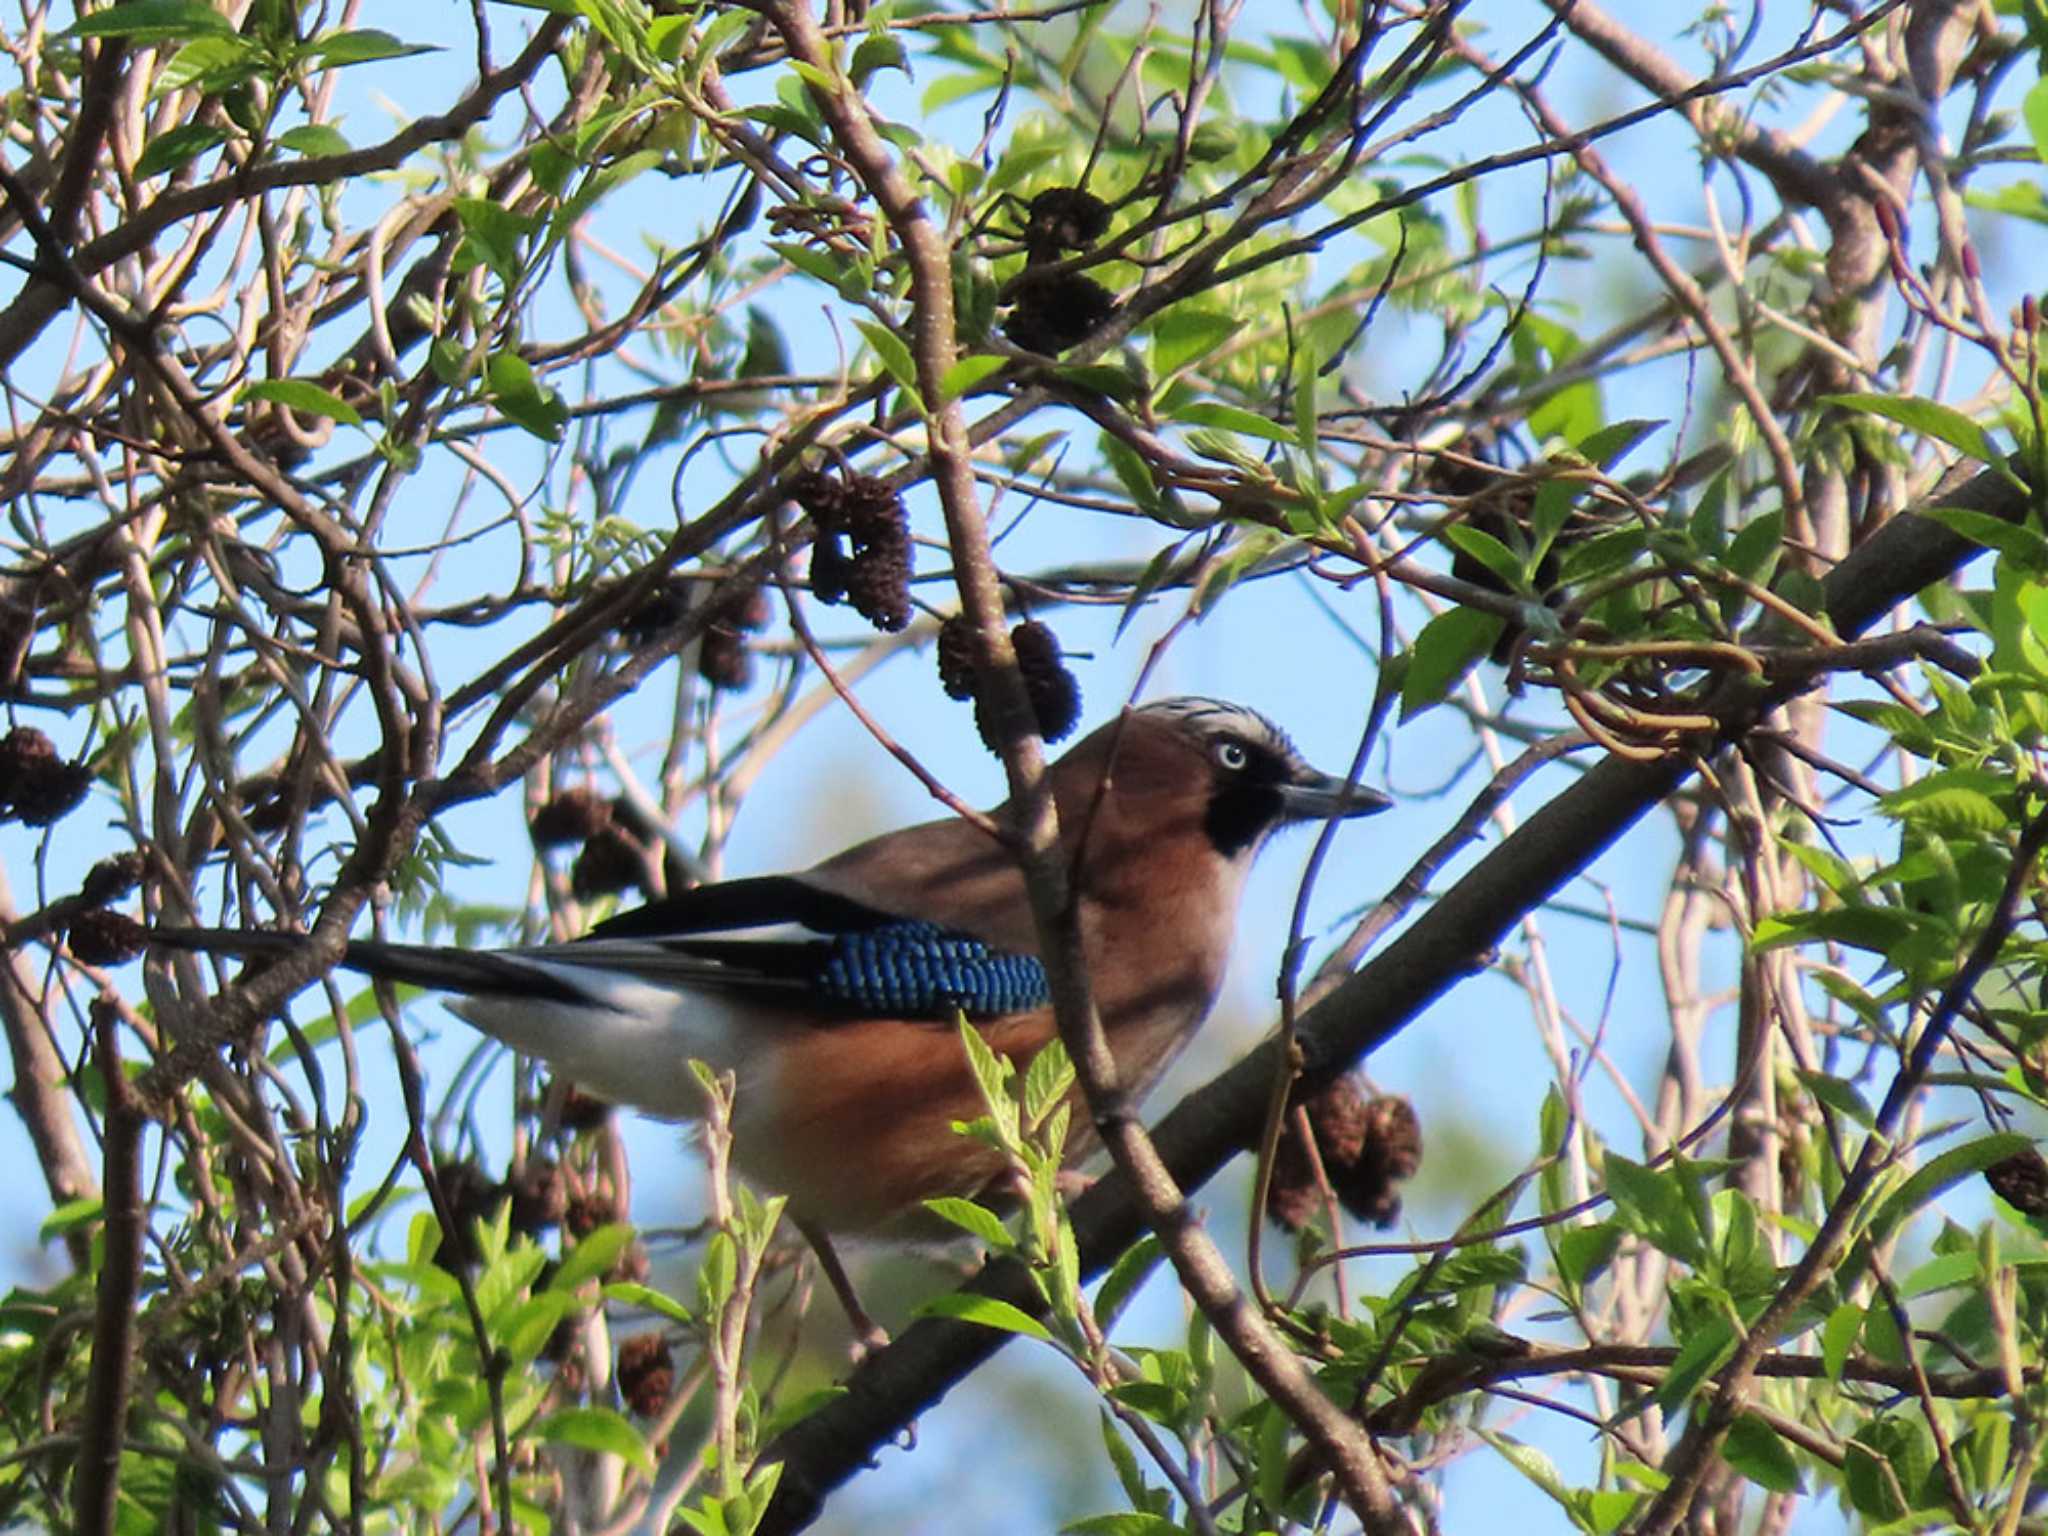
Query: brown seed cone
{"type": "Point", "coordinates": [113, 877]}
{"type": "Point", "coordinates": [472, 1196]}
{"type": "Point", "coordinates": [878, 583]}
{"type": "Point", "coordinates": [1064, 219]}
{"type": "Point", "coordinates": [51, 795]}
{"type": "Point", "coordinates": [573, 816]}
{"type": "Point", "coordinates": [103, 937]}
{"type": "Point", "coordinates": [821, 495]}
{"type": "Point", "coordinates": [664, 610]}
{"type": "Point", "coordinates": [1050, 312]}
{"type": "Point", "coordinates": [830, 569]}
{"type": "Point", "coordinates": [724, 659]}
{"type": "Point", "coordinates": [37, 785]}
{"type": "Point", "coordinates": [24, 744]}
{"type": "Point", "coordinates": [587, 1212]}
{"type": "Point", "coordinates": [1055, 695]}
{"type": "Point", "coordinates": [1366, 1146]}
{"type": "Point", "coordinates": [540, 1196]}
{"type": "Point", "coordinates": [609, 863]}
{"type": "Point", "coordinates": [754, 611]}
{"type": "Point", "coordinates": [1368, 1188]}
{"type": "Point", "coordinates": [647, 1374]}
{"type": "Point", "coordinates": [874, 512]}
{"type": "Point", "coordinates": [2021, 1181]}
{"type": "Point", "coordinates": [956, 657]}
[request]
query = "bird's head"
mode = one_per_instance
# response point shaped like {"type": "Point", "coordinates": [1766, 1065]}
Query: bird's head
{"type": "Point", "coordinates": [1228, 767]}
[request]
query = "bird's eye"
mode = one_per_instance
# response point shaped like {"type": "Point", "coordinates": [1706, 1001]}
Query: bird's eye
{"type": "Point", "coordinates": [1233, 755]}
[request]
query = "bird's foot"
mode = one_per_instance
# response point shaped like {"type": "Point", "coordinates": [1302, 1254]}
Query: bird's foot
{"type": "Point", "coordinates": [869, 1337]}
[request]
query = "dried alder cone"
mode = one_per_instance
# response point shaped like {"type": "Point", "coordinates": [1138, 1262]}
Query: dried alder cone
{"type": "Point", "coordinates": [612, 858]}
{"type": "Point", "coordinates": [1054, 693]}
{"type": "Point", "coordinates": [1368, 1146]}
{"type": "Point", "coordinates": [37, 786]}
{"type": "Point", "coordinates": [610, 862]}
{"type": "Point", "coordinates": [1062, 219]}
{"type": "Point", "coordinates": [113, 877]}
{"type": "Point", "coordinates": [868, 515]}
{"type": "Point", "coordinates": [2021, 1181]}
{"type": "Point", "coordinates": [724, 659]}
{"type": "Point", "coordinates": [1052, 311]}
{"type": "Point", "coordinates": [573, 816]}
{"type": "Point", "coordinates": [647, 1374]}
{"type": "Point", "coordinates": [101, 937]}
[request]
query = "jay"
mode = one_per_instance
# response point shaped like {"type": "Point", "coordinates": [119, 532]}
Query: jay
{"type": "Point", "coordinates": [832, 995]}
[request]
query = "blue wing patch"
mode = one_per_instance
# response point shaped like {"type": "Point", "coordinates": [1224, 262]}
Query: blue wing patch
{"type": "Point", "coordinates": [920, 970]}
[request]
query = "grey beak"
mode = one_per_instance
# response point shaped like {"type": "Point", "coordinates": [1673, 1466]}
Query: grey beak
{"type": "Point", "coordinates": [1314, 796]}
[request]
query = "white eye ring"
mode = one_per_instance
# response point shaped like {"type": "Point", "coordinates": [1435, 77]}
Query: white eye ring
{"type": "Point", "coordinates": [1232, 755]}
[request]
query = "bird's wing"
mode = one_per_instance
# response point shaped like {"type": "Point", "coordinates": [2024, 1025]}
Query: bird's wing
{"type": "Point", "coordinates": [781, 940]}
{"type": "Point", "coordinates": [794, 940]}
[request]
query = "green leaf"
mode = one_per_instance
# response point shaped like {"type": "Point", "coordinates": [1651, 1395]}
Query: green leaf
{"type": "Point", "coordinates": [630, 1293]}
{"type": "Point", "coordinates": [1231, 418]}
{"type": "Point", "coordinates": [987, 1311]}
{"type": "Point", "coordinates": [1874, 1487]}
{"type": "Point", "coordinates": [1839, 1094]}
{"type": "Point", "coordinates": [2014, 540]}
{"type": "Point", "coordinates": [1952, 1167]}
{"type": "Point", "coordinates": [1572, 413]}
{"type": "Point", "coordinates": [168, 151]}
{"type": "Point", "coordinates": [1877, 929]}
{"type": "Point", "coordinates": [877, 52]}
{"type": "Point", "coordinates": [991, 1074]}
{"type": "Point", "coordinates": [1127, 1522]}
{"type": "Point", "coordinates": [977, 1221]}
{"type": "Point", "coordinates": [1450, 645]}
{"type": "Point", "coordinates": [1307, 424]}
{"type": "Point", "coordinates": [1612, 443]}
{"type": "Point", "coordinates": [1488, 551]}
{"type": "Point", "coordinates": [337, 50]}
{"type": "Point", "coordinates": [1132, 1269]}
{"type": "Point", "coordinates": [2034, 112]}
{"type": "Point", "coordinates": [1132, 470]}
{"type": "Point", "coordinates": [1930, 418]}
{"type": "Point", "coordinates": [1945, 1272]}
{"type": "Point", "coordinates": [315, 139]}
{"type": "Point", "coordinates": [525, 1331]}
{"type": "Point", "coordinates": [1530, 1462]}
{"type": "Point", "coordinates": [1047, 1081]}
{"type": "Point", "coordinates": [70, 1216]}
{"type": "Point", "coordinates": [604, 1430]}
{"type": "Point", "coordinates": [968, 372]}
{"type": "Point", "coordinates": [1653, 1205]}
{"type": "Point", "coordinates": [895, 356]}
{"type": "Point", "coordinates": [1187, 333]}
{"type": "Point", "coordinates": [1760, 1454]}
{"type": "Point", "coordinates": [1838, 1337]}
{"type": "Point", "coordinates": [305, 397]}
{"type": "Point", "coordinates": [812, 263]}
{"type": "Point", "coordinates": [1954, 800]}
{"type": "Point", "coordinates": [1754, 550]}
{"type": "Point", "coordinates": [152, 21]}
{"type": "Point", "coordinates": [510, 384]}
{"type": "Point", "coordinates": [1832, 871]}
{"type": "Point", "coordinates": [1704, 1351]}
{"type": "Point", "coordinates": [595, 1255]}
{"type": "Point", "coordinates": [1582, 1252]}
